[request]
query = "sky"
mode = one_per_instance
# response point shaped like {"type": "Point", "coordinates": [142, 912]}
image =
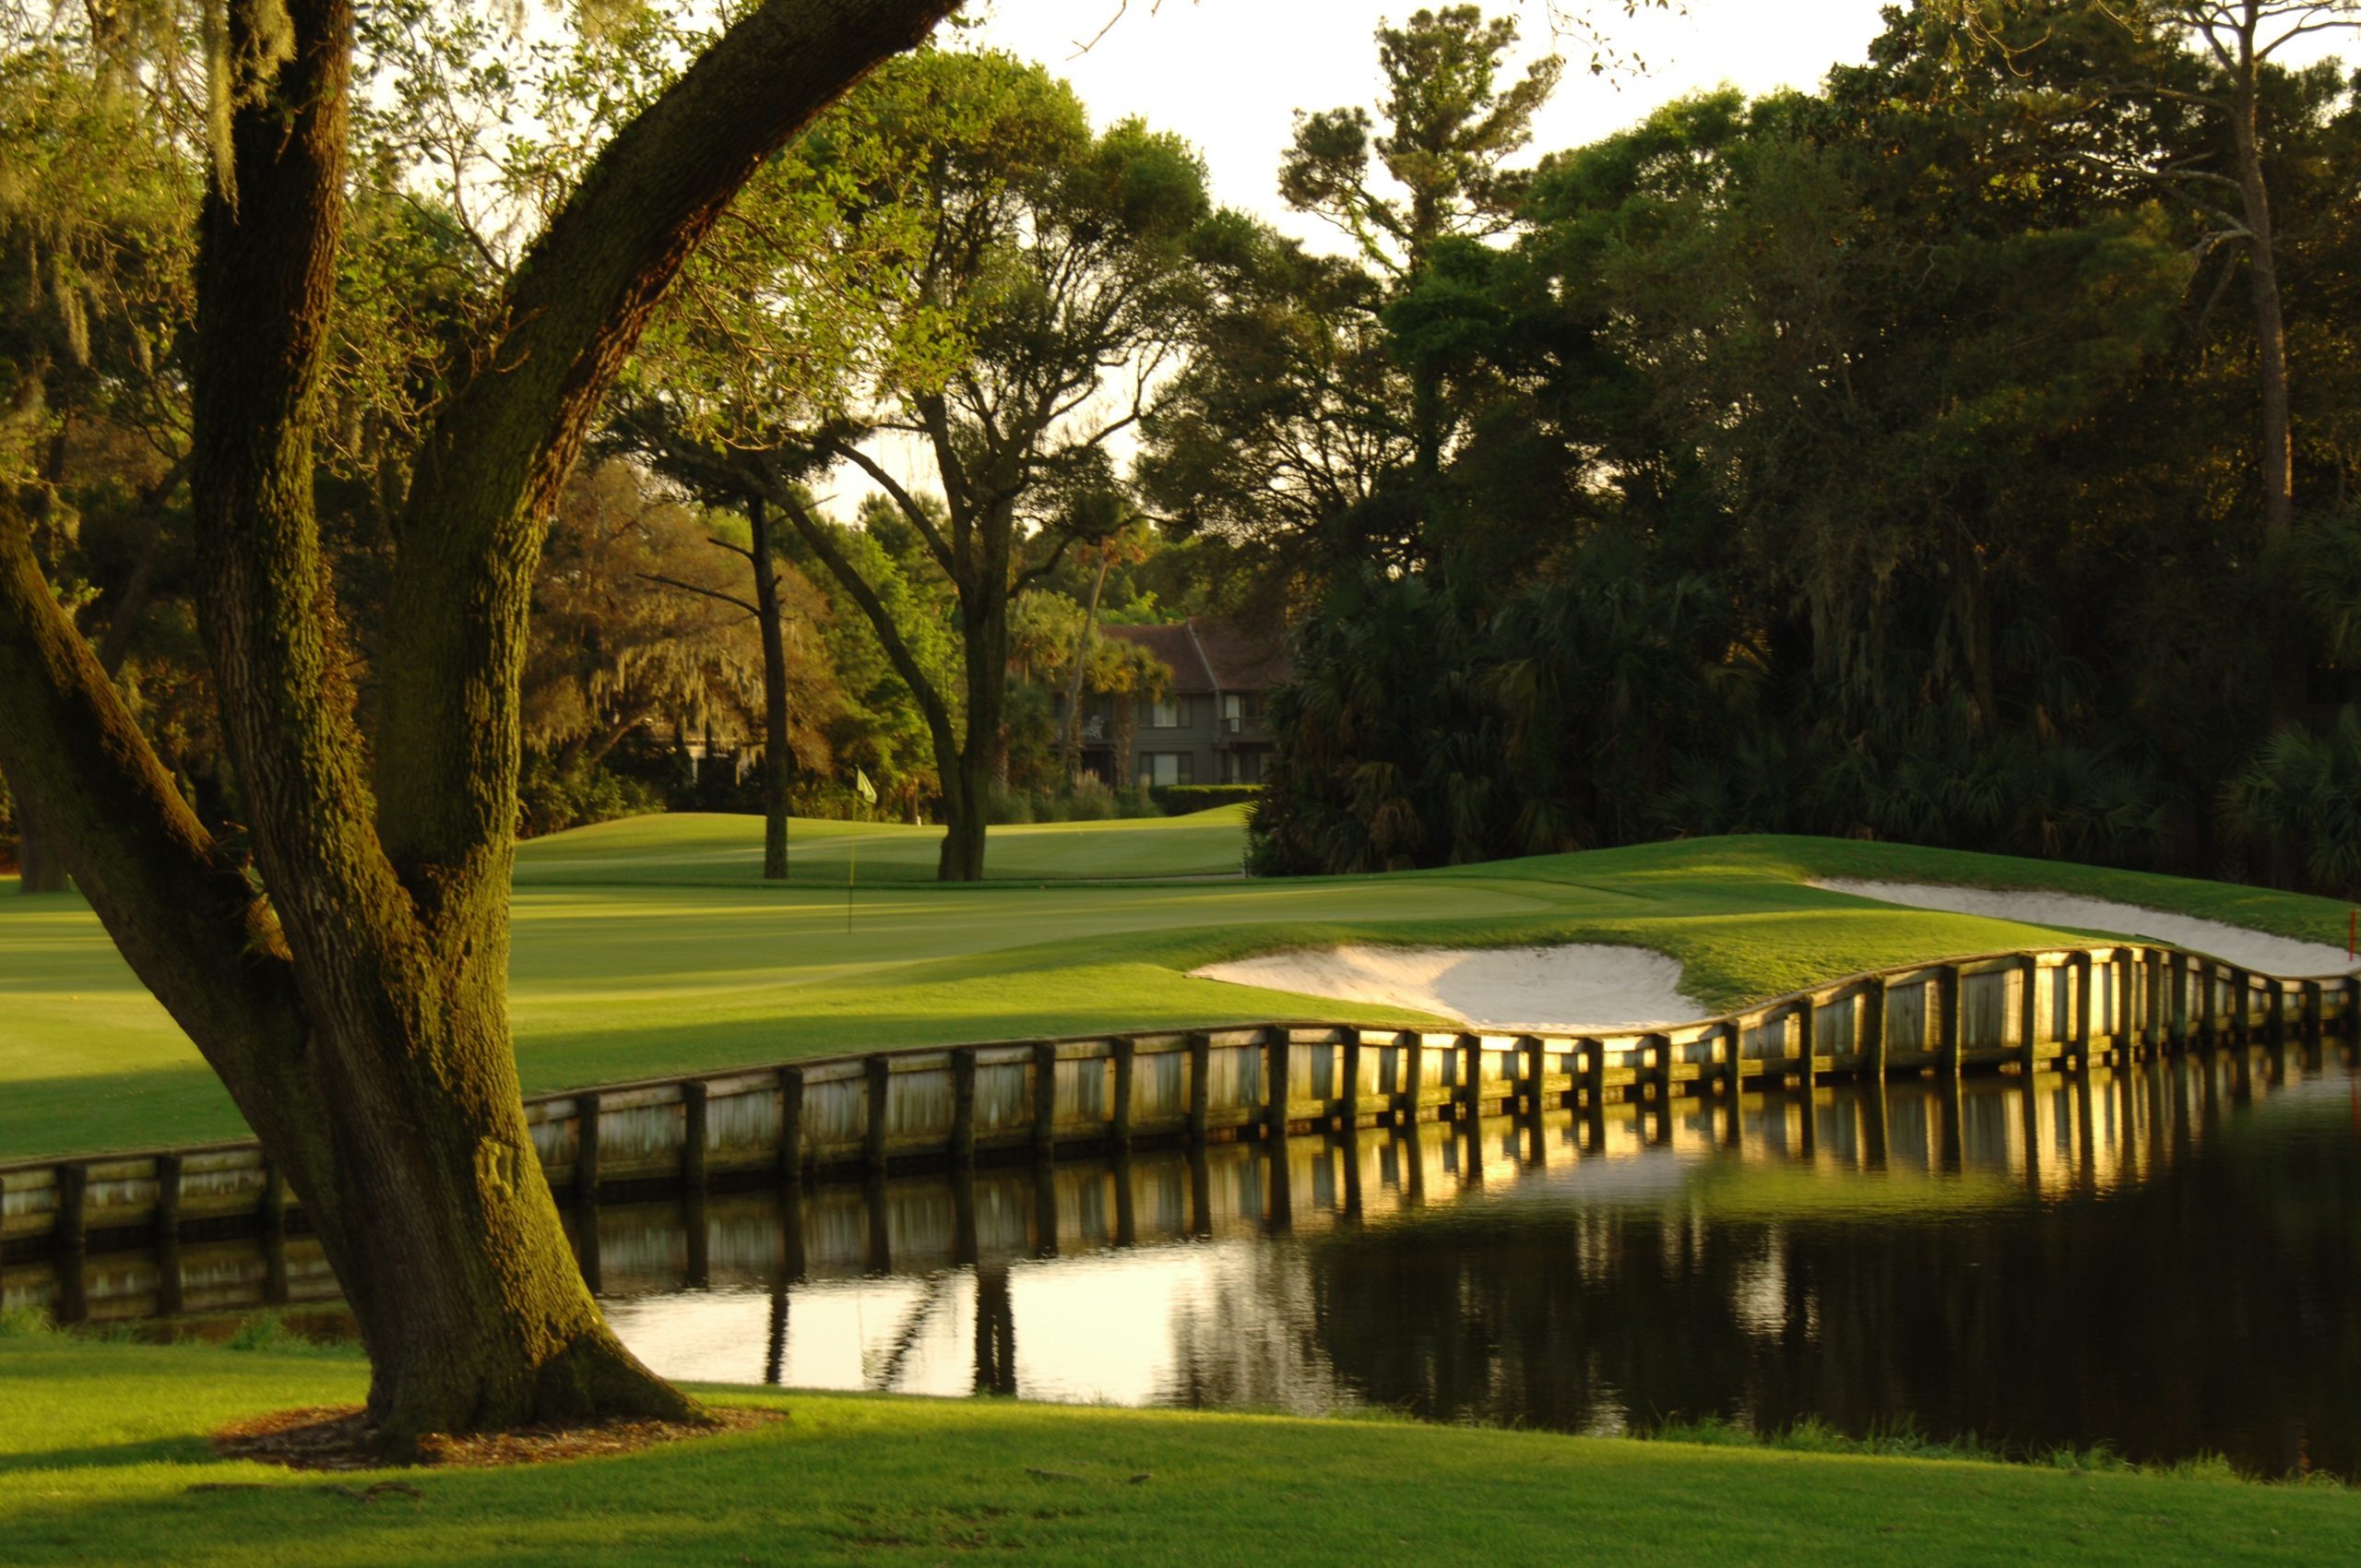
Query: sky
{"type": "Point", "coordinates": [1229, 74]}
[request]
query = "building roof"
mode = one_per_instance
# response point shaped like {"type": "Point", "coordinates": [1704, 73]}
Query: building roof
{"type": "Point", "coordinates": [1244, 658]}
{"type": "Point", "coordinates": [1208, 655]}
{"type": "Point", "coordinates": [1177, 648]}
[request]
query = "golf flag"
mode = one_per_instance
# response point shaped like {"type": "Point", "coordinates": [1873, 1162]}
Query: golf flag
{"type": "Point", "coordinates": [860, 783]}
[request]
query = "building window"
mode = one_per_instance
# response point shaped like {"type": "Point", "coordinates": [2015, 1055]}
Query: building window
{"type": "Point", "coordinates": [1241, 768]}
{"type": "Point", "coordinates": [1167, 767]}
{"type": "Point", "coordinates": [1168, 712]}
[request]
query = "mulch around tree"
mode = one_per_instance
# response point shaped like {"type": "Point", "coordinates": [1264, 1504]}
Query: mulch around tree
{"type": "Point", "coordinates": [337, 1437]}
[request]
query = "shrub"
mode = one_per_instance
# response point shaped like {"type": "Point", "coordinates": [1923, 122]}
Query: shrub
{"type": "Point", "coordinates": [1180, 800]}
{"type": "Point", "coordinates": [551, 797]}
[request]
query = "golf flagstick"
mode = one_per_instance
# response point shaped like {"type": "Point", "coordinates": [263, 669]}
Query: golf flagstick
{"type": "Point", "coordinates": [868, 792]}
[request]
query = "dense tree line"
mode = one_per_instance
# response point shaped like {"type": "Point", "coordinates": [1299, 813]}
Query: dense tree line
{"type": "Point", "coordinates": [1889, 460]}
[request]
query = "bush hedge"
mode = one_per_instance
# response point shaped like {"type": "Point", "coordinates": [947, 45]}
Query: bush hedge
{"type": "Point", "coordinates": [1180, 800]}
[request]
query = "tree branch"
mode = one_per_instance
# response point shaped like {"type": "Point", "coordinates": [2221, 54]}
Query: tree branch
{"type": "Point", "coordinates": [502, 446]}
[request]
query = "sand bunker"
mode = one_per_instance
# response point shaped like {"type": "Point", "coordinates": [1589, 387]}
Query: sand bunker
{"type": "Point", "coordinates": [1571, 988]}
{"type": "Point", "coordinates": [2271, 955]}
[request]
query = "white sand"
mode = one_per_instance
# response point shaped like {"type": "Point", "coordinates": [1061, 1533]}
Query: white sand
{"type": "Point", "coordinates": [1569, 988]}
{"type": "Point", "coordinates": [2251, 949]}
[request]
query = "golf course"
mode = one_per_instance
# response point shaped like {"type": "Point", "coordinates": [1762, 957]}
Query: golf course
{"type": "Point", "coordinates": [651, 946]}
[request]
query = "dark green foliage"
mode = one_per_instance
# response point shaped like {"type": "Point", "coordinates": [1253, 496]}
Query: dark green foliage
{"type": "Point", "coordinates": [555, 793]}
{"type": "Point", "coordinates": [1874, 463]}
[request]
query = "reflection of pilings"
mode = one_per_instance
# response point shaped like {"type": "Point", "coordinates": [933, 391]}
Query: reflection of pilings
{"type": "Point", "coordinates": [1126, 1232]}
{"type": "Point", "coordinates": [880, 1254]}
{"type": "Point", "coordinates": [2085, 1131]}
{"type": "Point", "coordinates": [791, 1274]}
{"type": "Point", "coordinates": [1351, 1145]}
{"type": "Point", "coordinates": [699, 1234]}
{"type": "Point", "coordinates": [1947, 1093]}
{"type": "Point", "coordinates": [1045, 1210]}
{"type": "Point", "coordinates": [1278, 1213]}
{"type": "Point", "coordinates": [2029, 1118]}
{"type": "Point", "coordinates": [1873, 1124]}
{"type": "Point", "coordinates": [995, 1332]}
{"type": "Point", "coordinates": [1592, 1140]}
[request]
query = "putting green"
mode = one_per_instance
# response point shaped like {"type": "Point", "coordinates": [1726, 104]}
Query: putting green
{"type": "Point", "coordinates": [651, 947]}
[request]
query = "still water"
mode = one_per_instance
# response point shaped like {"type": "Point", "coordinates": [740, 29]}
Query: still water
{"type": "Point", "coordinates": [2166, 1261]}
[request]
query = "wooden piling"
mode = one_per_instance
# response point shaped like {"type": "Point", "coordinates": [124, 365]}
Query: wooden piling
{"type": "Point", "coordinates": [963, 1108]}
{"type": "Point", "coordinates": [1201, 1057]}
{"type": "Point", "coordinates": [2029, 974]}
{"type": "Point", "coordinates": [2314, 1013]}
{"type": "Point", "coordinates": [2085, 992]}
{"type": "Point", "coordinates": [1949, 1047]}
{"type": "Point", "coordinates": [1806, 1058]}
{"type": "Point", "coordinates": [1471, 1077]}
{"type": "Point", "coordinates": [1413, 1076]}
{"type": "Point", "coordinates": [1593, 1085]}
{"type": "Point", "coordinates": [692, 1134]}
{"type": "Point", "coordinates": [1126, 1049]}
{"type": "Point", "coordinates": [790, 1125]}
{"type": "Point", "coordinates": [1045, 1097]}
{"type": "Point", "coordinates": [1733, 1063]}
{"type": "Point", "coordinates": [877, 1073]}
{"type": "Point", "coordinates": [2241, 1009]}
{"type": "Point", "coordinates": [1537, 1068]}
{"type": "Point", "coordinates": [585, 1146]}
{"type": "Point", "coordinates": [69, 1225]}
{"type": "Point", "coordinates": [2274, 1022]}
{"type": "Point", "coordinates": [167, 1219]}
{"type": "Point", "coordinates": [2126, 1006]}
{"type": "Point", "coordinates": [1872, 1033]}
{"type": "Point", "coordinates": [1351, 1107]}
{"type": "Point", "coordinates": [1278, 1058]}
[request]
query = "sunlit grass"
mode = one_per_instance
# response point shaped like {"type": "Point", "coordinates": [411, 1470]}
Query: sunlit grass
{"type": "Point", "coordinates": [103, 1461]}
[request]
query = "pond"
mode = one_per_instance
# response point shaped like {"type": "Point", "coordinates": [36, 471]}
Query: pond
{"type": "Point", "coordinates": [2166, 1261]}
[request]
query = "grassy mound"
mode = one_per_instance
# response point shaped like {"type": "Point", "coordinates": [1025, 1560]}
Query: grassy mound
{"type": "Point", "coordinates": [650, 947]}
{"type": "Point", "coordinates": [103, 1460]}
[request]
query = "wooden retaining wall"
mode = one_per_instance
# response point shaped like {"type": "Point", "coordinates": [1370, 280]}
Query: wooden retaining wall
{"type": "Point", "coordinates": [2061, 1007]}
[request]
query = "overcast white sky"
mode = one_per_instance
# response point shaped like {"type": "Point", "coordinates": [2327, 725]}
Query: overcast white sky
{"type": "Point", "coordinates": [1229, 74]}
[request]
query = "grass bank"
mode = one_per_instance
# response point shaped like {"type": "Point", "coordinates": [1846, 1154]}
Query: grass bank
{"type": "Point", "coordinates": [651, 946]}
{"type": "Point", "coordinates": [103, 1461]}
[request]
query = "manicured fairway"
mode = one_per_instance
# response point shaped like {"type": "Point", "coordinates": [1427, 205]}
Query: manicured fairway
{"type": "Point", "coordinates": [103, 1462]}
{"type": "Point", "coordinates": [727, 851]}
{"type": "Point", "coordinates": [681, 960]}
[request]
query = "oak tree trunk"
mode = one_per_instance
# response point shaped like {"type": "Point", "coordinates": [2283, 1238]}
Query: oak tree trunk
{"type": "Point", "coordinates": [358, 1012]}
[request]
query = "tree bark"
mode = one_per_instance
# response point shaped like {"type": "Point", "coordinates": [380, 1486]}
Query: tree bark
{"type": "Point", "coordinates": [1069, 742]}
{"type": "Point", "coordinates": [778, 754]}
{"type": "Point", "coordinates": [2275, 464]}
{"type": "Point", "coordinates": [967, 792]}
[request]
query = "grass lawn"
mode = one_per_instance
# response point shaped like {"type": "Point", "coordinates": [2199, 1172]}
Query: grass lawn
{"type": "Point", "coordinates": [102, 1461]}
{"type": "Point", "coordinates": [651, 946]}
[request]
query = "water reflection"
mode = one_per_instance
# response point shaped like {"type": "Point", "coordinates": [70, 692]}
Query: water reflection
{"type": "Point", "coordinates": [2164, 1259]}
